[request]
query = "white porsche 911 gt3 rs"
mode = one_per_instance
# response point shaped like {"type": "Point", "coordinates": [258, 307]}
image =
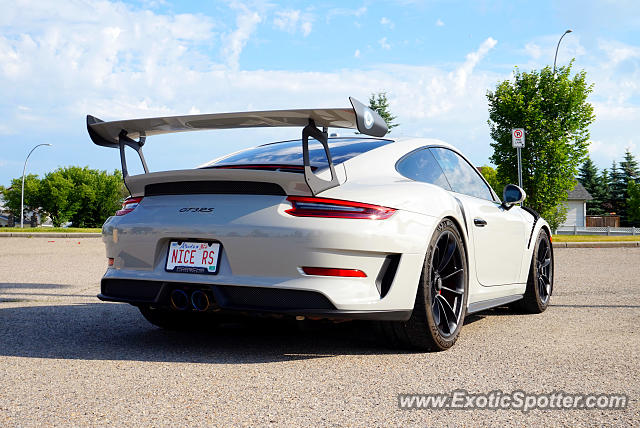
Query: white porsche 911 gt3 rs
{"type": "Point", "coordinates": [405, 232]}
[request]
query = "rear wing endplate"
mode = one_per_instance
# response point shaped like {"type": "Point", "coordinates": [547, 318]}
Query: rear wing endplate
{"type": "Point", "coordinates": [133, 133]}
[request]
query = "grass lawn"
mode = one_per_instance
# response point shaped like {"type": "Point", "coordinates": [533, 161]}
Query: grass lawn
{"type": "Point", "coordinates": [594, 238]}
{"type": "Point", "coordinates": [52, 229]}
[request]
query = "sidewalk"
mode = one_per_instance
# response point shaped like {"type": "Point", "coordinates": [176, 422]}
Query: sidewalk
{"type": "Point", "coordinates": [602, 244]}
{"type": "Point", "coordinates": [49, 235]}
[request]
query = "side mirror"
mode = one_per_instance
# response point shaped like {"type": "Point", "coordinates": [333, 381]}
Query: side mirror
{"type": "Point", "coordinates": [512, 195]}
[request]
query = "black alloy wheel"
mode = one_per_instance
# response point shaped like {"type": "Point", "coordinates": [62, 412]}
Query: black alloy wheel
{"type": "Point", "coordinates": [447, 283]}
{"type": "Point", "coordinates": [441, 298]}
{"type": "Point", "coordinates": [544, 271]}
{"type": "Point", "coordinates": [540, 282]}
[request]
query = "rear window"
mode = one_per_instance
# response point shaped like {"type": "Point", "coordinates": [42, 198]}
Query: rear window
{"type": "Point", "coordinates": [290, 153]}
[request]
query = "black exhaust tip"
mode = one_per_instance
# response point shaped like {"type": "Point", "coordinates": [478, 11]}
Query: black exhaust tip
{"type": "Point", "coordinates": [179, 300]}
{"type": "Point", "coordinates": [200, 301]}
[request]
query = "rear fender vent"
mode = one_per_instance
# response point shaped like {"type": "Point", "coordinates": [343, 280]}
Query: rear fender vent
{"type": "Point", "coordinates": [387, 274]}
{"type": "Point", "coordinates": [213, 188]}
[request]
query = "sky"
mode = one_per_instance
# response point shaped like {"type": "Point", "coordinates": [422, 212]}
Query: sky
{"type": "Point", "coordinates": [60, 61]}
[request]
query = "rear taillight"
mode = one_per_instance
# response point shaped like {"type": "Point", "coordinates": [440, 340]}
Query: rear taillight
{"type": "Point", "coordinates": [304, 206]}
{"type": "Point", "coordinates": [128, 205]}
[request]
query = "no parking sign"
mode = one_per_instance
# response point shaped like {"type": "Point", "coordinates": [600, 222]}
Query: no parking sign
{"type": "Point", "coordinates": [517, 138]}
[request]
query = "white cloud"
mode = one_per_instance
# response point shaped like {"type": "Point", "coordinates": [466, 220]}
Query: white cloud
{"type": "Point", "coordinates": [533, 50]}
{"type": "Point", "coordinates": [462, 74]}
{"type": "Point", "coordinates": [346, 12]}
{"type": "Point", "coordinates": [439, 23]}
{"type": "Point", "coordinates": [246, 23]}
{"type": "Point", "coordinates": [293, 20]}
{"type": "Point", "coordinates": [306, 28]}
{"type": "Point", "coordinates": [618, 52]}
{"type": "Point", "coordinates": [287, 20]}
{"type": "Point", "coordinates": [615, 110]}
{"type": "Point", "coordinates": [136, 68]}
{"type": "Point", "coordinates": [611, 150]}
{"type": "Point", "coordinates": [542, 49]}
{"type": "Point", "coordinates": [55, 67]}
{"type": "Point", "coordinates": [387, 23]}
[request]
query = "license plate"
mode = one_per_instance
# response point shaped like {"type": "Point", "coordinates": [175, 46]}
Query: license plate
{"type": "Point", "coordinates": [193, 257]}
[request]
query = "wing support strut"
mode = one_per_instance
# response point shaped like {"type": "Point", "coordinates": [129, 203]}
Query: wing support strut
{"type": "Point", "coordinates": [315, 183]}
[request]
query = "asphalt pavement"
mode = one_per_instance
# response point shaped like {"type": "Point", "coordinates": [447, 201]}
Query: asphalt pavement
{"type": "Point", "coordinates": [68, 359]}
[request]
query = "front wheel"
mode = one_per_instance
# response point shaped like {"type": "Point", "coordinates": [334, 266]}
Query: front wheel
{"type": "Point", "coordinates": [441, 300]}
{"type": "Point", "coordinates": [540, 282]}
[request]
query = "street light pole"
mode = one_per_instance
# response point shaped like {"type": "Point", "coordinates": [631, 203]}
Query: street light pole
{"type": "Point", "coordinates": [22, 196]}
{"type": "Point", "coordinates": [557, 47]}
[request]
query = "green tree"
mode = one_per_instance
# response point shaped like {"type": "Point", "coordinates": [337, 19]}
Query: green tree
{"type": "Point", "coordinates": [12, 194]}
{"type": "Point", "coordinates": [589, 178]}
{"type": "Point", "coordinates": [617, 190]}
{"type": "Point", "coordinates": [629, 167]}
{"type": "Point", "coordinates": [605, 187]}
{"type": "Point", "coordinates": [633, 203]}
{"type": "Point", "coordinates": [108, 190]}
{"type": "Point", "coordinates": [556, 116]}
{"type": "Point", "coordinates": [630, 173]}
{"type": "Point", "coordinates": [379, 103]}
{"type": "Point", "coordinates": [83, 196]}
{"type": "Point", "coordinates": [57, 197]}
{"type": "Point", "coordinates": [491, 176]}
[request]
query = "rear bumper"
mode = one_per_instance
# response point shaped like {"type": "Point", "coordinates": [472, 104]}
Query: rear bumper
{"type": "Point", "coordinates": [243, 299]}
{"type": "Point", "coordinates": [263, 247]}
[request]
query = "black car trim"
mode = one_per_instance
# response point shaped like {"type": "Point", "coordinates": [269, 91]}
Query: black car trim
{"type": "Point", "coordinates": [492, 303]}
{"type": "Point", "coordinates": [266, 300]}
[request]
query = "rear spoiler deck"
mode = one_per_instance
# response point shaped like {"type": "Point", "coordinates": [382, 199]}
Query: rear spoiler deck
{"type": "Point", "coordinates": [133, 133]}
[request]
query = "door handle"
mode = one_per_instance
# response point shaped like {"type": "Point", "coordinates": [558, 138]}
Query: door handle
{"type": "Point", "coordinates": [479, 222]}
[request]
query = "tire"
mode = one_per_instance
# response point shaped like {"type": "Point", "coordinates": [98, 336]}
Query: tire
{"type": "Point", "coordinates": [177, 320]}
{"type": "Point", "coordinates": [442, 294]}
{"type": "Point", "coordinates": [540, 281]}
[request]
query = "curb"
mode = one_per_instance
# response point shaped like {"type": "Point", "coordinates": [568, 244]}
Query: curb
{"type": "Point", "coordinates": [609, 244]}
{"type": "Point", "coordinates": [48, 235]}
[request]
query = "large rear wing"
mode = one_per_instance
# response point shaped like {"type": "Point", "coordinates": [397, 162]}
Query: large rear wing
{"type": "Point", "coordinates": [133, 133]}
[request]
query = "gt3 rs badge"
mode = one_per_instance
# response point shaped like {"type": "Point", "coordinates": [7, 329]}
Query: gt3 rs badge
{"type": "Point", "coordinates": [195, 210]}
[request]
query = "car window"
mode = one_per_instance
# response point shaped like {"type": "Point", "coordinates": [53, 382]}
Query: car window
{"type": "Point", "coordinates": [422, 166]}
{"type": "Point", "coordinates": [462, 177]}
{"type": "Point", "coordinates": [290, 152]}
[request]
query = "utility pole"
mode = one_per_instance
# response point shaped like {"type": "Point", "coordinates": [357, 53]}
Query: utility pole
{"type": "Point", "coordinates": [22, 196]}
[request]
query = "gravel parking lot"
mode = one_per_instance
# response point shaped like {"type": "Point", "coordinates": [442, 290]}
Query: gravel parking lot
{"type": "Point", "coordinates": [68, 359]}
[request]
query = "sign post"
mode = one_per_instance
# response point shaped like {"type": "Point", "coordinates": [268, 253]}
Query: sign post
{"type": "Point", "coordinates": [517, 141]}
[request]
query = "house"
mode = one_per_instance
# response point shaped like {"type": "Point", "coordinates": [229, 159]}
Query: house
{"type": "Point", "coordinates": [576, 204]}
{"type": "Point", "coordinates": [4, 214]}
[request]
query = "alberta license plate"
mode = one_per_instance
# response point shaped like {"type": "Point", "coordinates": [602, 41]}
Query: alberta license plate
{"type": "Point", "coordinates": [193, 257]}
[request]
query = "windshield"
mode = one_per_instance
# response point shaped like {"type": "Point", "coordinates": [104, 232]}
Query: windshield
{"type": "Point", "coordinates": [290, 153]}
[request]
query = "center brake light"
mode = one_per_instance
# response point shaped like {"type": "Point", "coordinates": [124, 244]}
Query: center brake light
{"type": "Point", "coordinates": [304, 206]}
{"type": "Point", "coordinates": [129, 205]}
